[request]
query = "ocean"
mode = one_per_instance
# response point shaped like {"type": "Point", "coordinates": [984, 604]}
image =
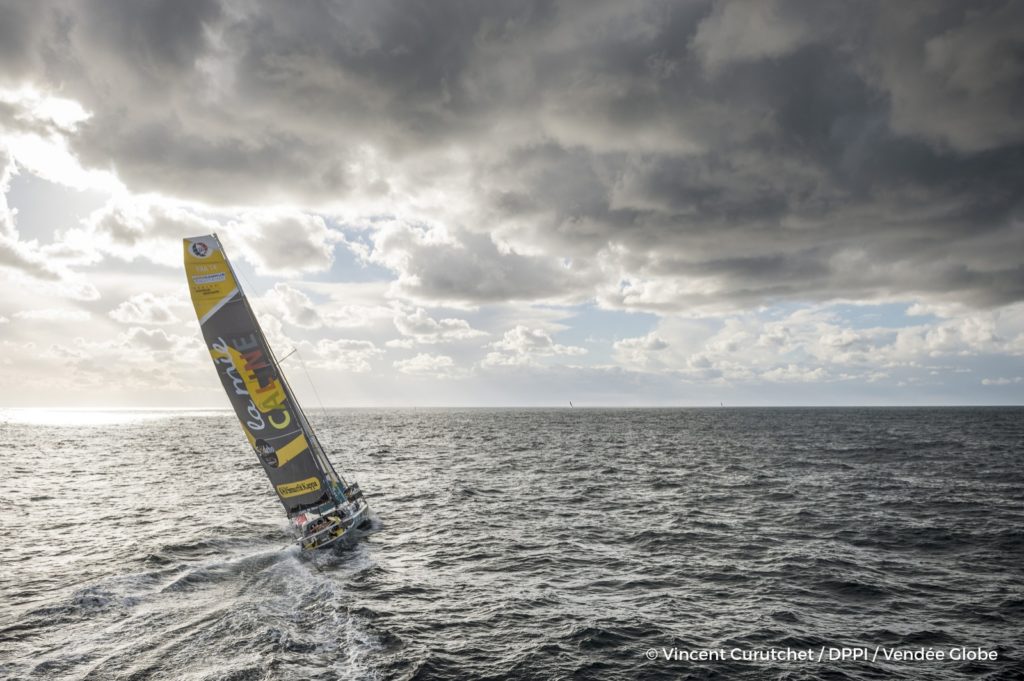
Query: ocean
{"type": "Point", "coordinates": [521, 544]}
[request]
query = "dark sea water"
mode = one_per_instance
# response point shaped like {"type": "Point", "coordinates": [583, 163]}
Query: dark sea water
{"type": "Point", "coordinates": [533, 544]}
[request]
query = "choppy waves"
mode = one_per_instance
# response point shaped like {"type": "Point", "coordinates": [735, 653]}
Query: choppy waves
{"type": "Point", "coordinates": [514, 544]}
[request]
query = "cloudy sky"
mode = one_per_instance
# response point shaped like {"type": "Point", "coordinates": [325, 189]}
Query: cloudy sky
{"type": "Point", "coordinates": [519, 203]}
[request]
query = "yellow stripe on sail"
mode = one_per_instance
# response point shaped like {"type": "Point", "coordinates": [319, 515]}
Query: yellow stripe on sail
{"type": "Point", "coordinates": [209, 277]}
{"type": "Point", "coordinates": [291, 450]}
{"type": "Point", "coordinates": [286, 453]}
{"type": "Point", "coordinates": [294, 489]}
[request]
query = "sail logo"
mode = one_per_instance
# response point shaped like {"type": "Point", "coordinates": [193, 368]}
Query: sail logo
{"type": "Point", "coordinates": [200, 249]}
{"type": "Point", "coordinates": [202, 279]}
{"type": "Point", "coordinates": [294, 489]}
{"type": "Point", "coordinates": [274, 457]}
{"type": "Point", "coordinates": [266, 452]}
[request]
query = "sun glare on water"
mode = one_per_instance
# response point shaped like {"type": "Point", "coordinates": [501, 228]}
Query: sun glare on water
{"type": "Point", "coordinates": [84, 418]}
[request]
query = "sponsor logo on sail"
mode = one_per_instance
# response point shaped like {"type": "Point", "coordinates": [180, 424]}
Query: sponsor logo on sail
{"type": "Point", "coordinates": [200, 249]}
{"type": "Point", "coordinates": [294, 489]}
{"type": "Point", "coordinates": [208, 278]}
{"type": "Point", "coordinates": [277, 457]}
{"type": "Point", "coordinates": [267, 453]}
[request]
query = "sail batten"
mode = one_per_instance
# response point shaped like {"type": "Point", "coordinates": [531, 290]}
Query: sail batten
{"type": "Point", "coordinates": [271, 418]}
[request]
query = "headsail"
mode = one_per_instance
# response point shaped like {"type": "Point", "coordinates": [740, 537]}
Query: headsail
{"type": "Point", "coordinates": [271, 418]}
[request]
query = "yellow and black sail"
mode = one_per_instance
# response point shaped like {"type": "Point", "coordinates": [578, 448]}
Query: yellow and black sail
{"type": "Point", "coordinates": [270, 417]}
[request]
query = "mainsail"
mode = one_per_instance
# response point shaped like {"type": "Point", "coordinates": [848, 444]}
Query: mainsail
{"type": "Point", "coordinates": [272, 420]}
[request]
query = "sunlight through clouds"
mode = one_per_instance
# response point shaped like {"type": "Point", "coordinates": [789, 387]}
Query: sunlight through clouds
{"type": "Point", "coordinates": [646, 202]}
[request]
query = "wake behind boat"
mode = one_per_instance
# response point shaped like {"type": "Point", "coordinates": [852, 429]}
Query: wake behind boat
{"type": "Point", "coordinates": [323, 507]}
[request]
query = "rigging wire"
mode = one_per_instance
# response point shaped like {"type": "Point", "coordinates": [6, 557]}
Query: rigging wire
{"type": "Point", "coordinates": [311, 383]}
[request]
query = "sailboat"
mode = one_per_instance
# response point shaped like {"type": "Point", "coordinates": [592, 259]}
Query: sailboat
{"type": "Point", "coordinates": [324, 509]}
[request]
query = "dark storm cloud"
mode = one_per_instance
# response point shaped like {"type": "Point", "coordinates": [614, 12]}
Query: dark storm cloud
{"type": "Point", "coordinates": [702, 153]}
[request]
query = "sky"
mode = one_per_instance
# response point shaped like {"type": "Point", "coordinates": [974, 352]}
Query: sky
{"type": "Point", "coordinates": [453, 203]}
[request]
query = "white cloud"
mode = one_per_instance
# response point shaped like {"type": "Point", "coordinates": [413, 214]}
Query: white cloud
{"type": "Point", "coordinates": [155, 339]}
{"type": "Point", "coordinates": [1002, 381]}
{"type": "Point", "coordinates": [422, 328]}
{"type": "Point", "coordinates": [284, 242]}
{"type": "Point", "coordinates": [792, 373]}
{"type": "Point", "coordinates": [147, 228]}
{"type": "Point", "coordinates": [523, 340]}
{"type": "Point", "coordinates": [636, 352]}
{"type": "Point", "coordinates": [295, 307]}
{"type": "Point", "coordinates": [341, 354]}
{"type": "Point", "coordinates": [522, 345]}
{"type": "Point", "coordinates": [816, 344]}
{"type": "Point", "coordinates": [424, 364]}
{"type": "Point", "coordinates": [147, 308]}
{"type": "Point", "coordinates": [436, 266]}
{"type": "Point", "coordinates": [54, 314]}
{"type": "Point", "coordinates": [139, 361]}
